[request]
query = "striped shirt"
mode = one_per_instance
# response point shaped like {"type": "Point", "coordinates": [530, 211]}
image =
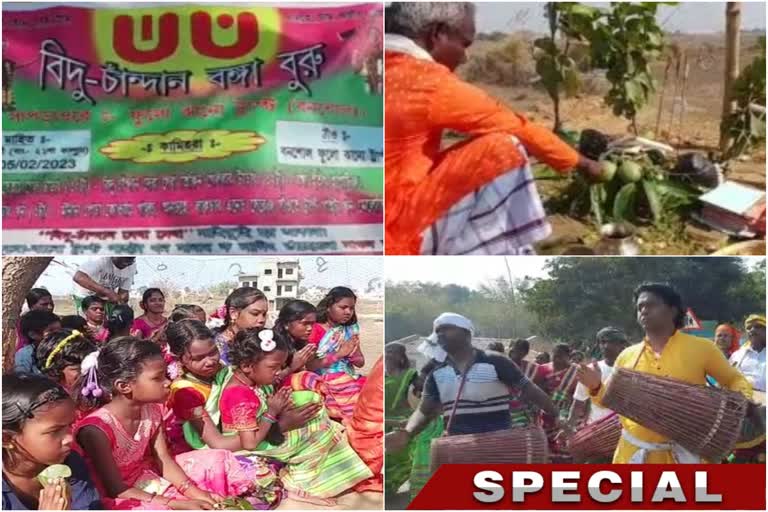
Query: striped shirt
{"type": "Point", "coordinates": [484, 402]}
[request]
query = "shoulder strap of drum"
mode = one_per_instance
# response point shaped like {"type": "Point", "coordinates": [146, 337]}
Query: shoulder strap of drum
{"type": "Point", "coordinates": [639, 355]}
{"type": "Point", "coordinates": [456, 401]}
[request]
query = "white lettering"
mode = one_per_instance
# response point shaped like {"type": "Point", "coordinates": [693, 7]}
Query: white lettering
{"type": "Point", "coordinates": [525, 482]}
{"type": "Point", "coordinates": [702, 494]}
{"type": "Point", "coordinates": [593, 486]}
{"type": "Point", "coordinates": [560, 486]}
{"type": "Point", "coordinates": [491, 492]}
{"type": "Point", "coordinates": [668, 487]}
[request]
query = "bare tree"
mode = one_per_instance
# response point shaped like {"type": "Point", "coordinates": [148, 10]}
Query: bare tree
{"type": "Point", "coordinates": [732, 48]}
{"type": "Point", "coordinates": [19, 275]}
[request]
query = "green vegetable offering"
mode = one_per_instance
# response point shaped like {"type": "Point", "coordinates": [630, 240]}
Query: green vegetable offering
{"type": "Point", "coordinates": [54, 472]}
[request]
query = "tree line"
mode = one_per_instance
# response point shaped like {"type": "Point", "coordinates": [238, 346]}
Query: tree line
{"type": "Point", "coordinates": [578, 297]}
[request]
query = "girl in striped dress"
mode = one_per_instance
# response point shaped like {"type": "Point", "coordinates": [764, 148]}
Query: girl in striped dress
{"type": "Point", "coordinates": [319, 462]}
{"type": "Point", "coordinates": [337, 337]}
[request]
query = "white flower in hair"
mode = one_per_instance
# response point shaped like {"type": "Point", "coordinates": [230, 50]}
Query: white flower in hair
{"type": "Point", "coordinates": [215, 323]}
{"type": "Point", "coordinates": [267, 337]}
{"type": "Point", "coordinates": [90, 361]}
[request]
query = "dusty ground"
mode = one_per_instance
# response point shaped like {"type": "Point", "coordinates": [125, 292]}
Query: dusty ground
{"type": "Point", "coordinates": [699, 129]}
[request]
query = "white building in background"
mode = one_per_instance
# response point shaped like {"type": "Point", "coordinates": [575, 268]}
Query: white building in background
{"type": "Point", "coordinates": [279, 279]}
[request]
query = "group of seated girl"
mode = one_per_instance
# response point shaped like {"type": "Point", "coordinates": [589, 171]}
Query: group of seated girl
{"type": "Point", "coordinates": [169, 414]}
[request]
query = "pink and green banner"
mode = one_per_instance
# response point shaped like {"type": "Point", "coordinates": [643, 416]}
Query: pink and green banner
{"type": "Point", "coordinates": [193, 130]}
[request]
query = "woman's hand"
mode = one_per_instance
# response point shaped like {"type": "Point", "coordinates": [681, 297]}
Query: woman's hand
{"type": "Point", "coordinates": [54, 496]}
{"type": "Point", "coordinates": [591, 169]}
{"type": "Point", "coordinates": [208, 497]}
{"type": "Point", "coordinates": [347, 347]}
{"type": "Point", "coordinates": [296, 417]}
{"type": "Point", "coordinates": [396, 441]}
{"type": "Point", "coordinates": [302, 357]}
{"type": "Point", "coordinates": [278, 402]}
{"type": "Point", "coordinates": [189, 505]}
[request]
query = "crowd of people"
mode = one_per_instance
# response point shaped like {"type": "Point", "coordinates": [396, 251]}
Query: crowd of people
{"type": "Point", "coordinates": [502, 387]}
{"type": "Point", "coordinates": [188, 410]}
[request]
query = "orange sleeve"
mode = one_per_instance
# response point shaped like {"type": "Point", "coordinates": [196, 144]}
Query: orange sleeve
{"type": "Point", "coordinates": [465, 108]}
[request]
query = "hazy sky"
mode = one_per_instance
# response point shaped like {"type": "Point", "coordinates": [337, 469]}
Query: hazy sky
{"type": "Point", "coordinates": [202, 271]}
{"type": "Point", "coordinates": [696, 17]}
{"type": "Point", "coordinates": [469, 271]}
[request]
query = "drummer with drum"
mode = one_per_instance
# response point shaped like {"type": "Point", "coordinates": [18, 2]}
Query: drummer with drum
{"type": "Point", "coordinates": [471, 388]}
{"type": "Point", "coordinates": [665, 352]}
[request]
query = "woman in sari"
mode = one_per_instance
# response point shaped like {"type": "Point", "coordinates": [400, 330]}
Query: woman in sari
{"type": "Point", "coordinates": [421, 446]}
{"type": "Point", "coordinates": [194, 419]}
{"type": "Point", "coordinates": [399, 378]}
{"type": "Point", "coordinates": [337, 337]}
{"type": "Point", "coordinates": [366, 432]}
{"type": "Point", "coordinates": [319, 462]}
{"type": "Point", "coordinates": [153, 304]}
{"type": "Point", "coordinates": [245, 308]}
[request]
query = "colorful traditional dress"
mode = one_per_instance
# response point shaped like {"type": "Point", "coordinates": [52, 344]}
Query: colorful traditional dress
{"type": "Point", "coordinates": [189, 393]}
{"type": "Point", "coordinates": [398, 465]}
{"type": "Point", "coordinates": [421, 447]}
{"type": "Point", "coordinates": [342, 381]}
{"type": "Point", "coordinates": [559, 385]}
{"type": "Point", "coordinates": [366, 429]}
{"type": "Point", "coordinates": [319, 461]}
{"type": "Point", "coordinates": [144, 330]}
{"type": "Point", "coordinates": [216, 471]}
{"type": "Point", "coordinates": [101, 333]}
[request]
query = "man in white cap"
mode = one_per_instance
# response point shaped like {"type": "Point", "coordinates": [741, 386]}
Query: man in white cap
{"type": "Point", "coordinates": [485, 398]}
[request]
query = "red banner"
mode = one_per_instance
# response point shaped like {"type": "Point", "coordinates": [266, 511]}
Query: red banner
{"type": "Point", "coordinates": [588, 487]}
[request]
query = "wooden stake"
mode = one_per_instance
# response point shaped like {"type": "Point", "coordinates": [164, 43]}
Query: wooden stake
{"type": "Point", "coordinates": [661, 97]}
{"type": "Point", "coordinates": [732, 29]}
{"type": "Point", "coordinates": [686, 71]}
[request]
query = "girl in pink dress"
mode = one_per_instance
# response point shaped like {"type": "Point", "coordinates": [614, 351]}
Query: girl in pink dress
{"type": "Point", "coordinates": [123, 440]}
{"type": "Point", "coordinates": [153, 304]}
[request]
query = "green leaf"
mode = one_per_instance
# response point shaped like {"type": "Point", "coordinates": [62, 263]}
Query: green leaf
{"type": "Point", "coordinates": [624, 204]}
{"type": "Point", "coordinates": [654, 202]}
{"type": "Point", "coordinates": [677, 190]}
{"type": "Point", "coordinates": [582, 10]}
{"type": "Point", "coordinates": [546, 44]}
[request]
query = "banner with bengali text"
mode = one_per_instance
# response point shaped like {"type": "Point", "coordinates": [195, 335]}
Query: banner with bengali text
{"type": "Point", "coordinates": [244, 129]}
